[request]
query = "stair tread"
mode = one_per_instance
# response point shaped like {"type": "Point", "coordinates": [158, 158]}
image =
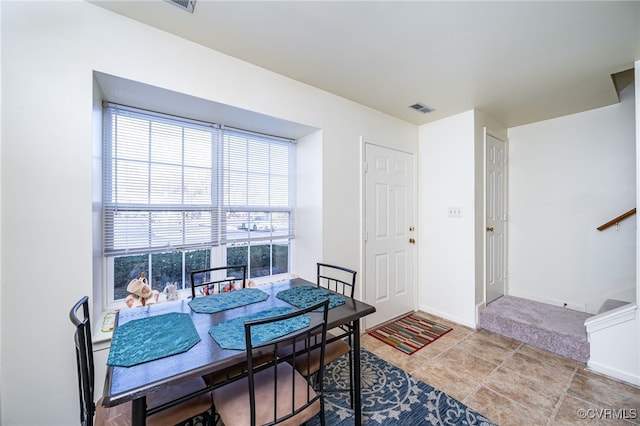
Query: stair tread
{"type": "Point", "coordinates": [542, 315]}
{"type": "Point", "coordinates": [553, 328]}
{"type": "Point", "coordinates": [611, 304]}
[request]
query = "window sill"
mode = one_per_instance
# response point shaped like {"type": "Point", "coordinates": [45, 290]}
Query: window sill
{"type": "Point", "coordinates": [101, 334]}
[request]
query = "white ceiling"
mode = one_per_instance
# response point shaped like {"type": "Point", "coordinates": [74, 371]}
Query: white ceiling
{"type": "Point", "coordinates": [519, 62]}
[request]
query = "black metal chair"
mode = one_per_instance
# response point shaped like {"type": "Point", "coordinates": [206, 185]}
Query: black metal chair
{"type": "Point", "coordinates": [215, 280]}
{"type": "Point", "coordinates": [339, 340]}
{"type": "Point", "coordinates": [199, 405]}
{"type": "Point", "coordinates": [211, 281]}
{"type": "Point", "coordinates": [274, 392]}
{"type": "Point", "coordinates": [337, 278]}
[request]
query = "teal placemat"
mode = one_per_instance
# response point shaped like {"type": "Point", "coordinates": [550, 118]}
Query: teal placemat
{"type": "Point", "coordinates": [305, 296]}
{"type": "Point", "coordinates": [151, 338]}
{"type": "Point", "coordinates": [230, 334]}
{"type": "Point", "coordinates": [223, 301]}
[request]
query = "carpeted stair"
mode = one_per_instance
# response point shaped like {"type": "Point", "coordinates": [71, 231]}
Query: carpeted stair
{"type": "Point", "coordinates": [611, 304]}
{"type": "Point", "coordinates": [553, 328]}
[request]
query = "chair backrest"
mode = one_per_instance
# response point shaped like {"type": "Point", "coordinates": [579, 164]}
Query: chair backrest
{"type": "Point", "coordinates": [272, 352]}
{"type": "Point", "coordinates": [79, 316]}
{"type": "Point", "coordinates": [337, 278]}
{"type": "Point", "coordinates": [215, 280]}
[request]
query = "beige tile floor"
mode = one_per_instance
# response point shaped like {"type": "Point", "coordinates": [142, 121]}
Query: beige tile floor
{"type": "Point", "coordinates": [512, 383]}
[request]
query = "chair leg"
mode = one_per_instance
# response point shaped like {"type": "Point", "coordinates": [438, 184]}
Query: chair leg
{"type": "Point", "coordinates": [206, 420]}
{"type": "Point", "coordinates": [351, 376]}
{"type": "Point", "coordinates": [215, 417]}
{"type": "Point", "coordinates": [315, 377]}
{"type": "Point", "coordinates": [322, 420]}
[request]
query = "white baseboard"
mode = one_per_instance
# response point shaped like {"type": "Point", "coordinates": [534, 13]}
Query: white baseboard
{"type": "Point", "coordinates": [611, 372]}
{"type": "Point", "coordinates": [556, 302]}
{"type": "Point", "coordinates": [479, 306]}
{"type": "Point", "coordinates": [453, 318]}
{"type": "Point", "coordinates": [626, 294]}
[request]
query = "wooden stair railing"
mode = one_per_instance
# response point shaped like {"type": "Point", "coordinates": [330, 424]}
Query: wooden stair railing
{"type": "Point", "coordinates": [618, 219]}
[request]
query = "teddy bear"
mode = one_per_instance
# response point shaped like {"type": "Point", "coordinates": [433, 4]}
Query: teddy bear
{"type": "Point", "coordinates": [171, 291]}
{"type": "Point", "coordinates": [141, 293]}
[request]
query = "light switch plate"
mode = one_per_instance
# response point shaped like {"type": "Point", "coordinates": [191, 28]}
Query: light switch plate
{"type": "Point", "coordinates": [455, 212]}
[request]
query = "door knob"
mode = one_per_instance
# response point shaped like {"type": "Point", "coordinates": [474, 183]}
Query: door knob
{"type": "Point", "coordinates": [412, 241]}
{"type": "Point", "coordinates": [489, 228]}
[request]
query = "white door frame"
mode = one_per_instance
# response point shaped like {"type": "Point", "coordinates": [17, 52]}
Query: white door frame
{"type": "Point", "coordinates": [363, 251]}
{"type": "Point", "coordinates": [488, 132]}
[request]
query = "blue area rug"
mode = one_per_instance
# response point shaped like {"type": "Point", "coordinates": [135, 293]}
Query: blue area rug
{"type": "Point", "coordinates": [390, 396]}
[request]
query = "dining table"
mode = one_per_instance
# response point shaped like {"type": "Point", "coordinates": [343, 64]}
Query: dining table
{"type": "Point", "coordinates": [197, 352]}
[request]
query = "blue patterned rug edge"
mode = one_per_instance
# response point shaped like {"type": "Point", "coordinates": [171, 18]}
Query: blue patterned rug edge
{"type": "Point", "coordinates": [390, 397]}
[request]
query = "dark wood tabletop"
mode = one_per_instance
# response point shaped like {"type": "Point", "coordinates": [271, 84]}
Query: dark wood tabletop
{"type": "Point", "coordinates": [129, 383]}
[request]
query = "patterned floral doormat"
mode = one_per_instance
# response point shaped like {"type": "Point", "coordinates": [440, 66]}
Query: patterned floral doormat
{"type": "Point", "coordinates": [409, 333]}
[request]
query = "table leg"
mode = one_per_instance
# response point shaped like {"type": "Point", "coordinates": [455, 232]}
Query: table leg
{"type": "Point", "coordinates": [357, 384]}
{"type": "Point", "coordinates": [138, 411]}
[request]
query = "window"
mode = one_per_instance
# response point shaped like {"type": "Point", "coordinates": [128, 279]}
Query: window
{"type": "Point", "coordinates": [181, 195]}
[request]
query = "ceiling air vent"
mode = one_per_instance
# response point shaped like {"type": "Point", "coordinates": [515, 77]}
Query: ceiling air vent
{"type": "Point", "coordinates": [187, 5]}
{"type": "Point", "coordinates": [422, 108]}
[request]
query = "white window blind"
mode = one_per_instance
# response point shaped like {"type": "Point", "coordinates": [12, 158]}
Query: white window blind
{"type": "Point", "coordinates": [178, 184]}
{"type": "Point", "coordinates": [258, 187]}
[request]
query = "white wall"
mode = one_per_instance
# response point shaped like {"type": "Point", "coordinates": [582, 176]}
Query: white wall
{"type": "Point", "coordinates": [309, 224]}
{"type": "Point", "coordinates": [446, 251]}
{"type": "Point", "coordinates": [49, 52]}
{"type": "Point", "coordinates": [614, 336]}
{"type": "Point", "coordinates": [637, 117]}
{"type": "Point", "coordinates": [614, 343]}
{"type": "Point", "coordinates": [567, 176]}
{"type": "Point", "coordinates": [451, 158]}
{"type": "Point", "coordinates": [1, 138]}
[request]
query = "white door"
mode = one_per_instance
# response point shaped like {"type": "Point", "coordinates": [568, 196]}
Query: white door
{"type": "Point", "coordinates": [389, 233]}
{"type": "Point", "coordinates": [496, 217]}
